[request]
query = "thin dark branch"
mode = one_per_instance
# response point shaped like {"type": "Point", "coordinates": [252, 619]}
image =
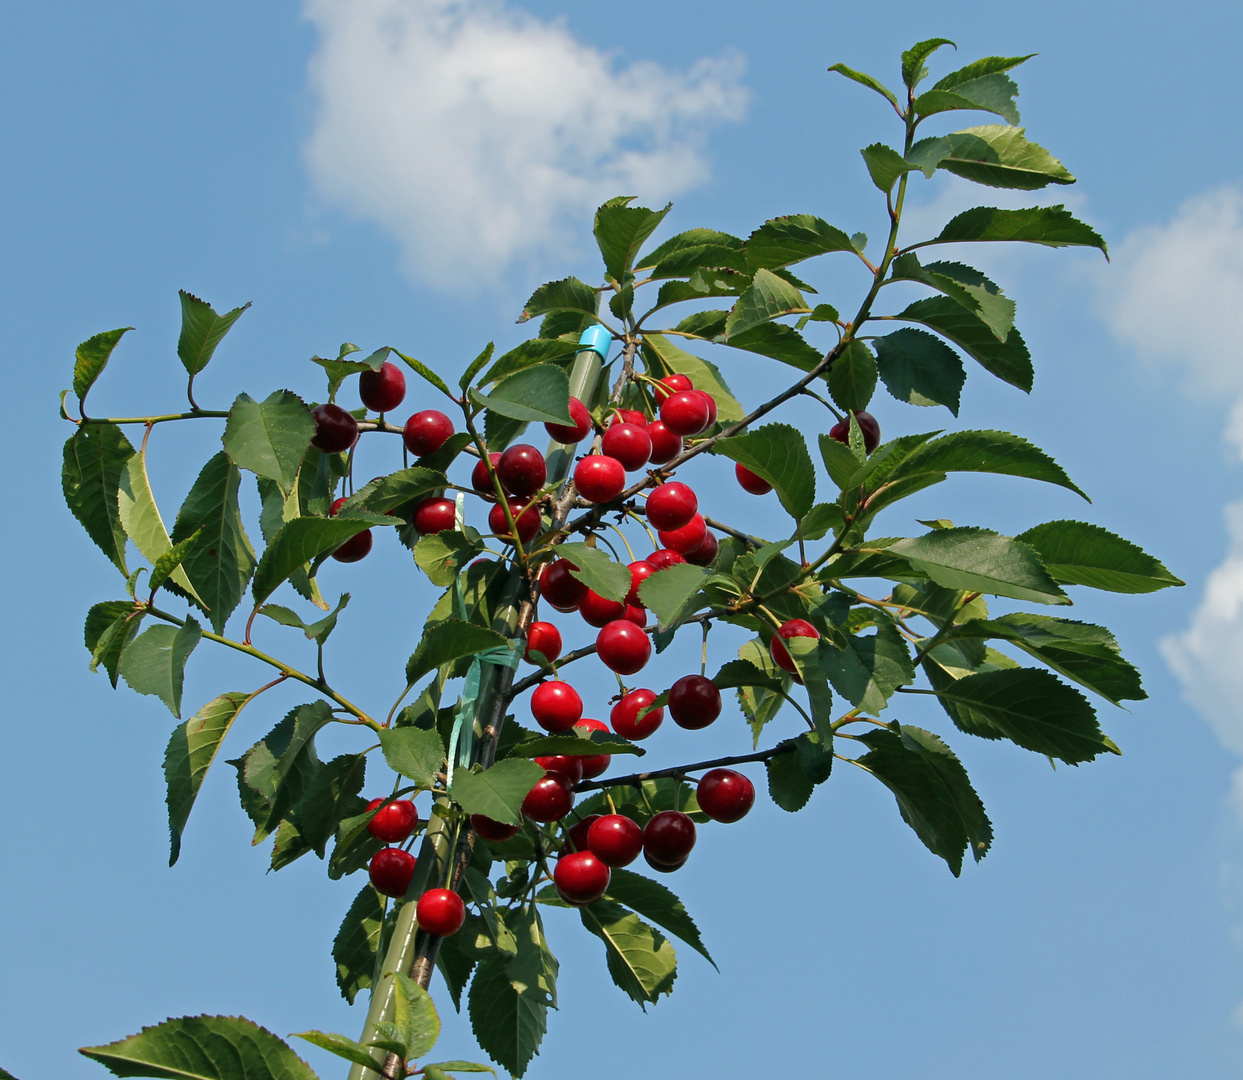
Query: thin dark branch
{"type": "Point", "coordinates": [635, 779]}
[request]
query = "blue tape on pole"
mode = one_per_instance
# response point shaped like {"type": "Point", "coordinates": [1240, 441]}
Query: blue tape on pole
{"type": "Point", "coordinates": [597, 338]}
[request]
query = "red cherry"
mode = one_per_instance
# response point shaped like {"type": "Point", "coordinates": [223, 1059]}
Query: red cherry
{"type": "Point", "coordinates": [705, 552]}
{"type": "Point", "coordinates": [666, 444]}
{"type": "Point", "coordinates": [426, 432]}
{"type": "Point", "coordinates": [625, 715]}
{"type": "Point", "coordinates": [568, 765]}
{"type": "Point", "coordinates": [527, 521]}
{"type": "Point", "coordinates": [694, 702]}
{"type": "Point", "coordinates": [594, 764]}
{"type": "Point", "coordinates": [628, 416]}
{"type": "Point", "coordinates": [580, 878]}
{"type": "Point", "coordinates": [672, 384]}
{"type": "Point", "coordinates": [710, 401]}
{"type": "Point", "coordinates": [479, 478]}
{"type": "Point", "coordinates": [665, 558]}
{"type": "Point", "coordinates": [391, 870]}
{"type": "Point", "coordinates": [628, 443]}
{"type": "Point", "coordinates": [749, 481]}
{"type": "Point", "coordinates": [383, 390]}
{"type": "Point", "coordinates": [543, 638]}
{"type": "Point", "coordinates": [725, 795]}
{"type": "Point", "coordinates": [335, 429]}
{"type": "Point", "coordinates": [440, 912]}
{"type": "Point", "coordinates": [636, 614]}
{"type": "Point", "coordinates": [640, 571]}
{"type": "Point", "coordinates": [685, 413]}
{"type": "Point", "coordinates": [556, 706]}
{"type": "Point", "coordinates": [669, 837]}
{"type": "Point", "coordinates": [597, 611]}
{"type": "Point", "coordinates": [615, 840]}
{"type": "Point", "coordinates": [550, 799]}
{"type": "Point", "coordinates": [395, 822]}
{"type": "Point", "coordinates": [599, 478]}
{"type": "Point", "coordinates": [434, 515]}
{"type": "Point", "coordinates": [663, 867]}
{"type": "Point", "coordinates": [671, 506]}
{"type": "Point", "coordinates": [868, 427]}
{"type": "Point", "coordinates": [576, 835]}
{"type": "Point", "coordinates": [572, 433]}
{"type": "Point", "coordinates": [522, 470]}
{"type": "Point", "coordinates": [623, 647]}
{"type": "Point", "coordinates": [357, 546]}
{"type": "Point", "coordinates": [687, 538]}
{"type": "Point", "coordinates": [561, 588]}
{"type": "Point", "coordinates": [490, 829]}
{"type": "Point", "coordinates": [792, 628]}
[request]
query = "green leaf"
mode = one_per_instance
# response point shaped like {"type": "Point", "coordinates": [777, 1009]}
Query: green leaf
{"type": "Point", "coordinates": [993, 93]}
{"type": "Point", "coordinates": [425, 373]}
{"type": "Point", "coordinates": [919, 368]}
{"type": "Point", "coordinates": [340, 369]}
{"type": "Point", "coordinates": [316, 631]}
{"type": "Point", "coordinates": [779, 342]}
{"type": "Point", "coordinates": [568, 294]}
{"type": "Point", "coordinates": [142, 522]}
{"type": "Point", "coordinates": [934, 793]}
{"type": "Point", "coordinates": [927, 155]}
{"type": "Point", "coordinates": [871, 667]}
{"type": "Point", "coordinates": [977, 69]}
{"type": "Point", "coordinates": [342, 1046]}
{"type": "Point", "coordinates": [397, 489]}
{"type": "Point", "coordinates": [447, 641]}
{"type": "Point", "coordinates": [980, 560]}
{"type": "Point", "coordinates": [413, 753]}
{"type": "Point", "coordinates": [155, 662]}
{"type": "Point", "coordinates": [528, 353]}
{"type": "Point", "coordinates": [639, 957]}
{"type": "Point", "coordinates": [201, 331]}
{"type": "Point", "coordinates": [865, 80]}
{"type": "Point", "coordinates": [354, 846]}
{"type": "Point", "coordinates": [839, 459]}
{"type": "Point", "coordinates": [778, 453]}
{"type": "Point", "coordinates": [788, 783]}
{"type": "Point", "coordinates": [170, 561]}
{"type": "Point", "coordinates": [90, 359]}
{"type": "Point", "coordinates": [760, 700]}
{"type": "Point", "coordinates": [441, 1068]}
{"type": "Point", "coordinates": [621, 231]}
{"type": "Point", "coordinates": [496, 792]}
{"type": "Point", "coordinates": [913, 69]}
{"type": "Point", "coordinates": [998, 155]}
{"type": "Point", "coordinates": [595, 569]}
{"type": "Point", "coordinates": [852, 378]}
{"type": "Point", "coordinates": [962, 283]}
{"type": "Point", "coordinates": [1076, 553]}
{"type": "Point", "coordinates": [415, 1017]}
{"type": "Point", "coordinates": [533, 970]}
{"type": "Point", "coordinates": [1009, 360]}
{"type": "Point", "coordinates": [654, 901]}
{"type": "Point", "coordinates": [508, 1023]}
{"type": "Point", "coordinates": [110, 627]}
{"type": "Point", "coordinates": [190, 752]}
{"type": "Point", "coordinates": [735, 673]}
{"type": "Point", "coordinates": [1052, 226]}
{"type": "Point", "coordinates": [885, 165]}
{"type": "Point", "coordinates": [476, 365]}
{"type": "Point", "coordinates": [669, 592]}
{"type": "Point", "coordinates": [269, 438]}
{"type": "Point", "coordinates": [354, 947]}
{"type": "Point", "coordinates": [441, 556]}
{"type": "Point", "coordinates": [704, 374]}
{"type": "Point", "coordinates": [768, 297]}
{"type": "Point", "coordinates": [300, 541]}
{"type": "Point", "coordinates": [783, 241]}
{"type": "Point", "coordinates": [539, 394]}
{"type": "Point", "coordinates": [96, 457]}
{"type": "Point", "coordinates": [576, 741]}
{"type": "Point", "coordinates": [687, 246]}
{"type": "Point", "coordinates": [332, 793]}
{"type": "Point", "coordinates": [202, 1048]}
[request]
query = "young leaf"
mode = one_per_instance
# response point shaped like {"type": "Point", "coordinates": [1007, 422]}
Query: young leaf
{"type": "Point", "coordinates": [980, 560]}
{"type": "Point", "coordinates": [788, 783]}
{"type": "Point", "coordinates": [783, 241]}
{"type": "Point", "coordinates": [96, 457]}
{"type": "Point", "coordinates": [654, 901]}
{"type": "Point", "coordinates": [919, 368]}
{"type": "Point", "coordinates": [316, 631]}
{"type": "Point", "coordinates": [998, 155]}
{"type": "Point", "coordinates": [1076, 553]}
{"type": "Point", "coordinates": [340, 369]}
{"type": "Point", "coordinates": [496, 792]}
{"type": "Point", "coordinates": [768, 297]}
{"type": "Point", "coordinates": [596, 570]}
{"type": "Point", "coordinates": [539, 394]}
{"type": "Point", "coordinates": [509, 1023]}
{"type": "Point", "coordinates": [155, 662]}
{"type": "Point", "coordinates": [476, 365]}
{"type": "Point", "coordinates": [1052, 226]}
{"type": "Point", "coordinates": [1009, 360]}
{"type": "Point", "coordinates": [962, 283]}
{"type": "Point", "coordinates": [778, 453]}
{"type": "Point", "coordinates": [441, 556]}
{"type": "Point", "coordinates": [621, 231]}
{"type": "Point", "coordinates": [568, 294]}
{"type": "Point", "coordinates": [110, 627]}
{"type": "Point", "coordinates": [447, 641]}
{"type": "Point", "coordinates": [668, 592]}
{"type": "Point", "coordinates": [299, 542]}
{"type": "Point", "coordinates": [913, 69]}
{"type": "Point", "coordinates": [201, 331]}
{"type": "Point", "coordinates": [885, 165]}
{"type": "Point", "coordinates": [343, 1047]}
{"type": "Point", "coordinates": [414, 753]}
{"type": "Point", "coordinates": [414, 1016]}
{"type": "Point", "coordinates": [639, 957]}
{"type": "Point", "coordinates": [142, 522]}
{"type": "Point", "coordinates": [202, 1048]}
{"type": "Point", "coordinates": [977, 69]}
{"type": "Point", "coordinates": [425, 373]}
{"type": "Point", "coordinates": [171, 560]}
{"type": "Point", "coordinates": [90, 359]}
{"type": "Point", "coordinates": [871, 667]}
{"type": "Point", "coordinates": [852, 378]}
{"type": "Point", "coordinates": [866, 80]}
{"type": "Point", "coordinates": [354, 947]}
{"type": "Point", "coordinates": [269, 438]}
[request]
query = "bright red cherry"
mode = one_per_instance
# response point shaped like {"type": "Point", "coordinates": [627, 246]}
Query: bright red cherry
{"type": "Point", "coordinates": [395, 822]}
{"type": "Point", "coordinates": [479, 478]}
{"type": "Point", "coordinates": [522, 470]}
{"type": "Point", "coordinates": [749, 481]}
{"type": "Point", "coordinates": [623, 647]}
{"type": "Point", "coordinates": [440, 912]}
{"type": "Point", "coordinates": [671, 506]}
{"type": "Point", "coordinates": [725, 795]}
{"type": "Point", "coordinates": [640, 571]}
{"type": "Point", "coordinates": [666, 444]}
{"type": "Point", "coordinates": [335, 429]}
{"type": "Point", "coordinates": [426, 431]}
{"type": "Point", "coordinates": [490, 829]}
{"type": "Point", "coordinates": [357, 546]}
{"type": "Point", "coordinates": [556, 706]}
{"type": "Point", "coordinates": [636, 614]}
{"type": "Point", "coordinates": [685, 413]}
{"type": "Point", "coordinates": [560, 587]}
{"type": "Point", "coordinates": [694, 702]}
{"type": "Point", "coordinates": [687, 538]}
{"type": "Point", "coordinates": [383, 390]}
{"type": "Point", "coordinates": [550, 799]}
{"type": "Point", "coordinates": [527, 521]}
{"type": "Point", "coordinates": [580, 878]}
{"type": "Point", "coordinates": [599, 478]}
{"type": "Point", "coordinates": [593, 764]}
{"type": "Point", "coordinates": [615, 840]}
{"type": "Point", "coordinates": [572, 433]}
{"type": "Point", "coordinates": [705, 552]}
{"type": "Point", "coordinates": [672, 384]}
{"type": "Point", "coordinates": [576, 835]}
{"type": "Point", "coordinates": [628, 416]}
{"type": "Point", "coordinates": [868, 427]}
{"type": "Point", "coordinates": [543, 638]}
{"type": "Point", "coordinates": [625, 715]}
{"type": "Point", "coordinates": [391, 870]}
{"type": "Point", "coordinates": [597, 611]}
{"type": "Point", "coordinates": [664, 558]}
{"type": "Point", "coordinates": [434, 515]}
{"type": "Point", "coordinates": [628, 443]}
{"type": "Point", "coordinates": [568, 765]}
{"type": "Point", "coordinates": [669, 837]}
{"type": "Point", "coordinates": [710, 401]}
{"type": "Point", "coordinates": [790, 629]}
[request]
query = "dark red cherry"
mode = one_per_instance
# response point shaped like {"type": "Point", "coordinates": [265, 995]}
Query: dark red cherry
{"type": "Point", "coordinates": [392, 823]}
{"type": "Point", "coordinates": [615, 840]}
{"type": "Point", "coordinates": [868, 428]}
{"type": "Point", "coordinates": [560, 587]}
{"type": "Point", "coordinates": [576, 834]}
{"type": "Point", "coordinates": [522, 470]}
{"type": "Point", "coordinates": [479, 478]}
{"type": "Point", "coordinates": [383, 390]}
{"type": "Point", "coordinates": [434, 515]}
{"type": "Point", "coordinates": [597, 611]}
{"type": "Point", "coordinates": [527, 521]}
{"type": "Point", "coordinates": [549, 799]}
{"type": "Point", "coordinates": [669, 836]}
{"type": "Point", "coordinates": [391, 870]}
{"type": "Point", "coordinates": [623, 647]}
{"type": "Point", "coordinates": [426, 432]}
{"type": "Point", "coordinates": [568, 765]}
{"type": "Point", "coordinates": [665, 557]}
{"type": "Point", "coordinates": [725, 795]}
{"type": "Point", "coordinates": [335, 429]}
{"type": "Point", "coordinates": [705, 552]}
{"type": "Point", "coordinates": [580, 878]}
{"type": "Point", "coordinates": [493, 830]}
{"type": "Point", "coordinates": [694, 702]}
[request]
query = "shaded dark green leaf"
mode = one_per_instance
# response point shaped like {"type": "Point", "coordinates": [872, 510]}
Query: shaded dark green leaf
{"type": "Point", "coordinates": [778, 453]}
{"type": "Point", "coordinates": [871, 667]}
{"type": "Point", "coordinates": [269, 438]}
{"type": "Point", "coordinates": [508, 1023]}
{"type": "Point", "coordinates": [447, 641]}
{"type": "Point", "coordinates": [919, 368]}
{"type": "Point", "coordinates": [331, 794]}
{"type": "Point", "coordinates": [299, 542]}
{"type": "Point", "coordinates": [1052, 226]}
{"type": "Point", "coordinates": [852, 378]}
{"type": "Point", "coordinates": [788, 783]}
{"type": "Point", "coordinates": [913, 68]}
{"type": "Point", "coordinates": [95, 461]}
{"type": "Point", "coordinates": [568, 294]}
{"type": "Point", "coordinates": [201, 331]}
{"type": "Point", "coordinates": [783, 241]}
{"type": "Point", "coordinates": [962, 283]}
{"type": "Point", "coordinates": [538, 394]}
{"type": "Point", "coordinates": [110, 627]}
{"type": "Point", "coordinates": [90, 359]}
{"type": "Point", "coordinates": [1009, 360]}
{"type": "Point", "coordinates": [768, 297]}
{"type": "Point", "coordinates": [621, 230]}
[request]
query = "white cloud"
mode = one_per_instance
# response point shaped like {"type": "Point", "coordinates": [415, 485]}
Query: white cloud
{"type": "Point", "coordinates": [475, 132]}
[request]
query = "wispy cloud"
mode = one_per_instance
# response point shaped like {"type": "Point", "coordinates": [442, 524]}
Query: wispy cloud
{"type": "Point", "coordinates": [474, 132]}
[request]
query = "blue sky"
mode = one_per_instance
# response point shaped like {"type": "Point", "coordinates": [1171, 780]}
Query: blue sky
{"type": "Point", "coordinates": [335, 163]}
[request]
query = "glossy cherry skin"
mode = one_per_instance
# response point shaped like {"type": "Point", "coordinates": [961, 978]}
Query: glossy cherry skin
{"type": "Point", "coordinates": [490, 829]}
{"type": "Point", "coordinates": [383, 390]}
{"type": "Point", "coordinates": [615, 840]}
{"type": "Point", "coordinates": [625, 715]}
{"type": "Point", "coordinates": [628, 416]}
{"type": "Point", "coordinates": [687, 538]}
{"type": "Point", "coordinates": [568, 765]}
{"type": "Point", "coordinates": [390, 871]}
{"type": "Point", "coordinates": [594, 764]}
{"type": "Point", "coordinates": [705, 552]}
{"type": "Point", "coordinates": [685, 413]}
{"type": "Point", "coordinates": [543, 638]}
{"type": "Point", "coordinates": [725, 795]}
{"type": "Point", "coordinates": [750, 482]}
{"type": "Point", "coordinates": [665, 558]}
{"type": "Point", "coordinates": [357, 546]}
{"type": "Point", "coordinates": [666, 444]}
{"type": "Point", "coordinates": [671, 505]}
{"type": "Point", "coordinates": [556, 706]}
{"type": "Point", "coordinates": [580, 878]}
{"type": "Point", "coordinates": [560, 587]}
{"type": "Point", "coordinates": [628, 443]}
{"type": "Point", "coordinates": [522, 470]}
{"type": "Point", "coordinates": [394, 822]}
{"type": "Point", "coordinates": [694, 702]}
{"type": "Point", "coordinates": [663, 867]}
{"type": "Point", "coordinates": [792, 628]}
{"type": "Point", "coordinates": [527, 521]}
{"type": "Point", "coordinates": [479, 478]}
{"type": "Point", "coordinates": [672, 384]}
{"type": "Point", "coordinates": [335, 429]}
{"type": "Point", "coordinates": [576, 835]}
{"type": "Point", "coordinates": [636, 614]}
{"type": "Point", "coordinates": [550, 799]}
{"type": "Point", "coordinates": [434, 515]}
{"type": "Point", "coordinates": [640, 571]}
{"type": "Point", "coordinates": [868, 427]}
{"type": "Point", "coordinates": [623, 647]}
{"type": "Point", "coordinates": [426, 431]}
{"type": "Point", "coordinates": [669, 836]}
{"type": "Point", "coordinates": [710, 401]}
{"type": "Point", "coordinates": [599, 478]}
{"type": "Point", "coordinates": [440, 912]}
{"type": "Point", "coordinates": [567, 433]}
{"type": "Point", "coordinates": [597, 611]}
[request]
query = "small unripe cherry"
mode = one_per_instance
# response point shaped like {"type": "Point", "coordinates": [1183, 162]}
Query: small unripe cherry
{"type": "Point", "coordinates": [335, 429]}
{"type": "Point", "coordinates": [615, 840]}
{"type": "Point", "coordinates": [694, 702]}
{"type": "Point", "coordinates": [550, 798]}
{"type": "Point", "coordinates": [440, 912]}
{"type": "Point", "coordinates": [598, 611]}
{"type": "Point", "coordinates": [789, 629]}
{"type": "Point", "coordinates": [750, 481]}
{"type": "Point", "coordinates": [479, 478]}
{"type": "Point", "coordinates": [725, 795]}
{"type": "Point", "coordinates": [640, 571]}
{"type": "Point", "coordinates": [491, 829]}
{"type": "Point", "coordinates": [623, 647]}
{"type": "Point", "coordinates": [522, 470]}
{"type": "Point", "coordinates": [705, 552]}
{"type": "Point", "coordinates": [580, 878]}
{"type": "Point", "coordinates": [527, 521]}
{"type": "Point", "coordinates": [628, 443]}
{"type": "Point", "coordinates": [434, 515]}
{"type": "Point", "coordinates": [426, 432]}
{"type": "Point", "coordinates": [572, 433]}
{"type": "Point", "coordinates": [382, 390]}
{"type": "Point", "coordinates": [666, 444]}
{"type": "Point", "coordinates": [625, 715]}
{"type": "Point", "coordinates": [568, 765]}
{"type": "Point", "coordinates": [593, 764]}
{"type": "Point", "coordinates": [687, 538]}
{"type": "Point", "coordinates": [560, 587]}
{"type": "Point", "coordinates": [599, 478]}
{"type": "Point", "coordinates": [556, 706]}
{"type": "Point", "coordinates": [671, 505]}
{"type": "Point", "coordinates": [665, 558]}
{"type": "Point", "coordinates": [545, 639]}
{"type": "Point", "coordinates": [392, 823]}
{"type": "Point", "coordinates": [685, 413]}
{"type": "Point", "coordinates": [390, 871]}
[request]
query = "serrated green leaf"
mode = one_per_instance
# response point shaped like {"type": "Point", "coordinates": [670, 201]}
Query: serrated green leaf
{"type": "Point", "coordinates": [568, 294]}
{"type": "Point", "coordinates": [269, 438]}
{"type": "Point", "coordinates": [476, 365]}
{"type": "Point", "coordinates": [691, 241]}
{"type": "Point", "coordinates": [442, 1068]}
{"type": "Point", "coordinates": [778, 453]}
{"type": "Point", "coordinates": [988, 65]}
{"type": "Point", "coordinates": [919, 368]}
{"type": "Point", "coordinates": [355, 845]}
{"type": "Point", "coordinates": [595, 569]}
{"type": "Point", "coordinates": [90, 359]}
{"type": "Point", "coordinates": [669, 592]}
{"type": "Point", "coordinates": [171, 560]}
{"type": "Point", "coordinates": [425, 373]}
{"type": "Point", "coordinates": [201, 331]}
{"type": "Point", "coordinates": [788, 783]}
{"type": "Point", "coordinates": [735, 673]}
{"type": "Point", "coordinates": [332, 793]}
{"type": "Point", "coordinates": [527, 354]}
{"type": "Point", "coordinates": [441, 556]}
{"type": "Point", "coordinates": [317, 631]}
{"type": "Point", "coordinates": [761, 701]}
{"type": "Point", "coordinates": [496, 792]}
{"type": "Point", "coordinates": [783, 241]}
{"type": "Point", "coordinates": [447, 641]}
{"type": "Point", "coordinates": [865, 80]}
{"type": "Point", "coordinates": [413, 753]}
{"type": "Point", "coordinates": [341, 1045]}
{"type": "Point", "coordinates": [96, 458]}
{"type": "Point", "coordinates": [639, 958]}
{"type": "Point", "coordinates": [871, 667]}
{"type": "Point", "coordinates": [839, 459]}
{"type": "Point", "coordinates": [1077, 553]}
{"type": "Point", "coordinates": [654, 901]}
{"type": "Point", "coordinates": [980, 560]}
{"type": "Point", "coordinates": [354, 947]}
{"type": "Point", "coordinates": [141, 520]}
{"type": "Point", "coordinates": [508, 1024]}
{"type": "Point", "coordinates": [621, 231]}
{"type": "Point", "coordinates": [964, 284]}
{"type": "Point", "coordinates": [852, 378]}
{"type": "Point", "coordinates": [993, 93]}
{"type": "Point", "coordinates": [704, 374]}
{"type": "Point", "coordinates": [155, 662]}
{"type": "Point", "coordinates": [768, 297]}
{"type": "Point", "coordinates": [397, 489]}
{"type": "Point", "coordinates": [1001, 156]}
{"type": "Point", "coordinates": [414, 1016]}
{"type": "Point", "coordinates": [1009, 360]}
{"type": "Point", "coordinates": [576, 741]}
{"type": "Point", "coordinates": [301, 541]}
{"type": "Point", "coordinates": [913, 69]}
{"type": "Point", "coordinates": [1052, 226]}
{"type": "Point", "coordinates": [885, 165]}
{"type": "Point", "coordinates": [539, 394]}
{"type": "Point", "coordinates": [110, 627]}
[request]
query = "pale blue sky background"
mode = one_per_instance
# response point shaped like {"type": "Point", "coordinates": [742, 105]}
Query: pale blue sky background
{"type": "Point", "coordinates": [149, 147]}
